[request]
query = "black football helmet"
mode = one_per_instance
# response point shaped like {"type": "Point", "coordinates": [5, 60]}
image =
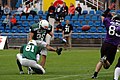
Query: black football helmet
{"type": "Point", "coordinates": [116, 18]}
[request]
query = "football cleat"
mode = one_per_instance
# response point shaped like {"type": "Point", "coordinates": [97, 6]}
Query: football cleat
{"type": "Point", "coordinates": [94, 77]}
{"type": "Point", "coordinates": [59, 50]}
{"type": "Point", "coordinates": [21, 72]}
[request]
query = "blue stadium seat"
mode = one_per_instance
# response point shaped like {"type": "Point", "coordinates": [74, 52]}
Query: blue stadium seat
{"type": "Point", "coordinates": [7, 30]}
{"type": "Point", "coordinates": [83, 23]}
{"type": "Point", "coordinates": [92, 12]}
{"type": "Point", "coordinates": [79, 30]}
{"type": "Point", "coordinates": [46, 12]}
{"type": "Point", "coordinates": [17, 18]}
{"type": "Point", "coordinates": [14, 29]}
{"type": "Point", "coordinates": [75, 36]}
{"type": "Point", "coordinates": [81, 18]}
{"type": "Point", "coordinates": [19, 23]}
{"type": "Point", "coordinates": [90, 23]}
{"type": "Point", "coordinates": [23, 18]}
{"type": "Point", "coordinates": [76, 24]}
{"type": "Point", "coordinates": [98, 12]}
{"type": "Point", "coordinates": [25, 24]}
{"type": "Point", "coordinates": [30, 18]}
{"type": "Point", "coordinates": [96, 36]}
{"type": "Point", "coordinates": [103, 36]}
{"type": "Point", "coordinates": [100, 30]}
{"type": "Point", "coordinates": [44, 17]}
{"type": "Point", "coordinates": [63, 23]}
{"type": "Point", "coordinates": [87, 17]}
{"type": "Point", "coordinates": [97, 24]}
{"type": "Point", "coordinates": [88, 36]}
{"type": "Point", "coordinates": [67, 18]}
{"type": "Point", "coordinates": [27, 30]}
{"type": "Point", "coordinates": [1, 29]}
{"type": "Point", "coordinates": [82, 36]}
{"type": "Point", "coordinates": [74, 18]}
{"type": "Point", "coordinates": [3, 17]}
{"type": "Point", "coordinates": [93, 29]}
{"type": "Point", "coordinates": [31, 23]}
{"type": "Point", "coordinates": [85, 12]}
{"type": "Point", "coordinates": [21, 30]}
{"type": "Point", "coordinates": [40, 12]}
{"type": "Point", "coordinates": [94, 18]}
{"type": "Point", "coordinates": [56, 35]}
{"type": "Point", "coordinates": [74, 30]}
{"type": "Point", "coordinates": [60, 36]}
{"type": "Point", "coordinates": [36, 18]}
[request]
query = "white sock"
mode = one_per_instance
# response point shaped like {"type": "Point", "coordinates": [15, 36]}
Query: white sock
{"type": "Point", "coordinates": [116, 73]}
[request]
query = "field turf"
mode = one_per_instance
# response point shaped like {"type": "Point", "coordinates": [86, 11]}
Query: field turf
{"type": "Point", "coordinates": [74, 64]}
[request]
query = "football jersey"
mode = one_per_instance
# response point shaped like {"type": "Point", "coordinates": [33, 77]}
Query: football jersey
{"type": "Point", "coordinates": [67, 28]}
{"type": "Point", "coordinates": [113, 31]}
{"type": "Point", "coordinates": [30, 51]}
{"type": "Point", "coordinates": [39, 33]}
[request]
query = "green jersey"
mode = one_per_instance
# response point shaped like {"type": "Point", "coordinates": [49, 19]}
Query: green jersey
{"type": "Point", "coordinates": [30, 51]}
{"type": "Point", "coordinates": [39, 33]}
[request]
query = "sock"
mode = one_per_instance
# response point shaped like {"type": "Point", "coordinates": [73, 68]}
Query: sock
{"type": "Point", "coordinates": [95, 74]}
{"type": "Point", "coordinates": [116, 73]}
{"type": "Point", "coordinates": [19, 65]}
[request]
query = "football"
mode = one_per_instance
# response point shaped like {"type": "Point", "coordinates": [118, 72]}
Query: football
{"type": "Point", "coordinates": [85, 27]}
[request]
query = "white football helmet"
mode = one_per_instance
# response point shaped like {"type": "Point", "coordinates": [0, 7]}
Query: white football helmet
{"type": "Point", "coordinates": [32, 42]}
{"type": "Point", "coordinates": [44, 24]}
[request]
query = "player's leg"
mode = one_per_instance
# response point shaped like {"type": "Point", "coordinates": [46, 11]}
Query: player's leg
{"type": "Point", "coordinates": [97, 69]}
{"type": "Point", "coordinates": [48, 38]}
{"type": "Point", "coordinates": [19, 57]}
{"type": "Point", "coordinates": [69, 41]}
{"type": "Point", "coordinates": [116, 73]}
{"type": "Point", "coordinates": [117, 70]}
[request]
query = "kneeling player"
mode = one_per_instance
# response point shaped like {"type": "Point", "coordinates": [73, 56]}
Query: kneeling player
{"type": "Point", "coordinates": [27, 57]}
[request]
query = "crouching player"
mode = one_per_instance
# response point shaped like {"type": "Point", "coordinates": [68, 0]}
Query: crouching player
{"type": "Point", "coordinates": [109, 46]}
{"type": "Point", "coordinates": [28, 58]}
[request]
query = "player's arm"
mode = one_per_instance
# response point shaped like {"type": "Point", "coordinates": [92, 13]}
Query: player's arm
{"type": "Point", "coordinates": [71, 30]}
{"type": "Point", "coordinates": [107, 11]}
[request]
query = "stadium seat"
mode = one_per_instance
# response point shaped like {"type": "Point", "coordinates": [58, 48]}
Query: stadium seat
{"type": "Point", "coordinates": [81, 18]}
{"type": "Point", "coordinates": [21, 30]}
{"type": "Point", "coordinates": [25, 24]}
{"type": "Point", "coordinates": [17, 18]}
{"type": "Point", "coordinates": [44, 17]}
{"type": "Point", "coordinates": [82, 36]}
{"type": "Point", "coordinates": [23, 18]}
{"type": "Point", "coordinates": [40, 12]}
{"type": "Point", "coordinates": [56, 35]}
{"type": "Point", "coordinates": [3, 17]}
{"type": "Point", "coordinates": [96, 36]}
{"type": "Point", "coordinates": [97, 24]}
{"type": "Point", "coordinates": [74, 36]}
{"type": "Point", "coordinates": [93, 29]}
{"type": "Point", "coordinates": [88, 36]}
{"type": "Point", "coordinates": [83, 23]}
{"type": "Point", "coordinates": [74, 30]}
{"type": "Point", "coordinates": [63, 23]}
{"type": "Point", "coordinates": [27, 29]}
{"type": "Point", "coordinates": [100, 30]}
{"type": "Point", "coordinates": [31, 23]}
{"type": "Point", "coordinates": [30, 18]}
{"type": "Point", "coordinates": [79, 30]}
{"type": "Point", "coordinates": [74, 18]}
{"type": "Point", "coordinates": [76, 24]}
{"type": "Point", "coordinates": [46, 12]}
{"type": "Point", "coordinates": [85, 12]}
{"type": "Point", "coordinates": [87, 17]}
{"type": "Point", "coordinates": [1, 29]}
{"type": "Point", "coordinates": [90, 23]}
{"type": "Point", "coordinates": [67, 18]}
{"type": "Point", "coordinates": [7, 30]}
{"type": "Point", "coordinates": [94, 18]}
{"type": "Point", "coordinates": [92, 12]}
{"type": "Point", "coordinates": [36, 18]}
{"type": "Point", "coordinates": [14, 29]}
{"type": "Point", "coordinates": [98, 12]}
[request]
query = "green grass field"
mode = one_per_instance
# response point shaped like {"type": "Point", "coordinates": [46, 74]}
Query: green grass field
{"type": "Point", "coordinates": [75, 64]}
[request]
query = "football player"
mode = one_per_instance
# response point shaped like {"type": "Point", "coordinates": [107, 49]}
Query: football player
{"type": "Point", "coordinates": [109, 46]}
{"type": "Point", "coordinates": [28, 57]}
{"type": "Point", "coordinates": [38, 32]}
{"type": "Point", "coordinates": [66, 32]}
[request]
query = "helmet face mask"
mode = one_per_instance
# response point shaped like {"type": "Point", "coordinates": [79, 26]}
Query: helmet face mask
{"type": "Point", "coordinates": [116, 18]}
{"type": "Point", "coordinates": [44, 24]}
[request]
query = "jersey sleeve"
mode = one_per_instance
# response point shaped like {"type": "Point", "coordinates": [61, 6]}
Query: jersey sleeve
{"type": "Point", "coordinates": [33, 27]}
